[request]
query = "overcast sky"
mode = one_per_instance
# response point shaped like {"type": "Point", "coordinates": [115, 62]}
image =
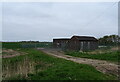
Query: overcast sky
{"type": "Point", "coordinates": [45, 21]}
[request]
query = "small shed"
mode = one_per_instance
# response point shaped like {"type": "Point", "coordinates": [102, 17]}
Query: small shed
{"type": "Point", "coordinates": [60, 43]}
{"type": "Point", "coordinates": [83, 43]}
{"type": "Point", "coordinates": [76, 43]}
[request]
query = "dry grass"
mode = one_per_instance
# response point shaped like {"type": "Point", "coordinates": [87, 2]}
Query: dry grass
{"type": "Point", "coordinates": [20, 65]}
{"type": "Point", "coordinates": [7, 53]}
{"type": "Point", "coordinates": [48, 68]}
{"type": "Point", "coordinates": [102, 51]}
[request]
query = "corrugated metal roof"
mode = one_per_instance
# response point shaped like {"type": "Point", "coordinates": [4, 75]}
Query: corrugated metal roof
{"type": "Point", "coordinates": [81, 38]}
{"type": "Point", "coordinates": [62, 39]}
{"type": "Point", "coordinates": [85, 38]}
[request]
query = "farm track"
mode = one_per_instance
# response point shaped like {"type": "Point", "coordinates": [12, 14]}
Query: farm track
{"type": "Point", "coordinates": [100, 65]}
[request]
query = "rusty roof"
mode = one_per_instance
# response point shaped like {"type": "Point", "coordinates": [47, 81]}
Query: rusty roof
{"type": "Point", "coordinates": [85, 38]}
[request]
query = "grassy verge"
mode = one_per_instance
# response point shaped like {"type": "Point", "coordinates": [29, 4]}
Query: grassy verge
{"type": "Point", "coordinates": [109, 56]}
{"type": "Point", "coordinates": [46, 67]}
{"type": "Point", "coordinates": [14, 45]}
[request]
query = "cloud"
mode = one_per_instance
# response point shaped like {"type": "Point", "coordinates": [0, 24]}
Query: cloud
{"type": "Point", "coordinates": [43, 21]}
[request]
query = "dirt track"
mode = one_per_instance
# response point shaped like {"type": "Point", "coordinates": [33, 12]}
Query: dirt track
{"type": "Point", "coordinates": [100, 65]}
{"type": "Point", "coordinates": [9, 53]}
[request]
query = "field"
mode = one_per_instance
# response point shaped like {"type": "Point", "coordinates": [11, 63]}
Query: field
{"type": "Point", "coordinates": [107, 55]}
{"type": "Point", "coordinates": [33, 64]}
{"type": "Point", "coordinates": [14, 45]}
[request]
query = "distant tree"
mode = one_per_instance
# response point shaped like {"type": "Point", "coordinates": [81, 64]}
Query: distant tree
{"type": "Point", "coordinates": [109, 40]}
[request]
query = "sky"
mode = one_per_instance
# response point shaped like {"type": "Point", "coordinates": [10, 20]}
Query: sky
{"type": "Point", "coordinates": [44, 21]}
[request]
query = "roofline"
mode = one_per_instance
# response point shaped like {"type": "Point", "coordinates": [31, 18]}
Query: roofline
{"type": "Point", "coordinates": [95, 39]}
{"type": "Point", "coordinates": [84, 36]}
{"type": "Point", "coordinates": [62, 39]}
{"type": "Point", "coordinates": [88, 40]}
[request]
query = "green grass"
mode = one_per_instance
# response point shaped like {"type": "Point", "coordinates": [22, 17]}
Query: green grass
{"type": "Point", "coordinates": [58, 69]}
{"type": "Point", "coordinates": [109, 56]}
{"type": "Point", "coordinates": [11, 45]}
{"type": "Point", "coordinates": [14, 45]}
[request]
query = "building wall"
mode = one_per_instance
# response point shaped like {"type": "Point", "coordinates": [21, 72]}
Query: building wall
{"type": "Point", "coordinates": [59, 43]}
{"type": "Point", "coordinates": [56, 43]}
{"type": "Point", "coordinates": [82, 45]}
{"type": "Point", "coordinates": [75, 44]}
{"type": "Point", "coordinates": [88, 45]}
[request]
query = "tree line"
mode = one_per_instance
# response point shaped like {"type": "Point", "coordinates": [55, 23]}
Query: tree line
{"type": "Point", "coordinates": [109, 40]}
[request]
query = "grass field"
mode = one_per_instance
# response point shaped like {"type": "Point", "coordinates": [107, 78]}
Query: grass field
{"type": "Point", "coordinates": [37, 65]}
{"type": "Point", "coordinates": [108, 56]}
{"type": "Point", "coordinates": [14, 45]}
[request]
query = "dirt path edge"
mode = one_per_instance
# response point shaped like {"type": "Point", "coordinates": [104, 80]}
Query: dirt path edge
{"type": "Point", "coordinates": [101, 65]}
